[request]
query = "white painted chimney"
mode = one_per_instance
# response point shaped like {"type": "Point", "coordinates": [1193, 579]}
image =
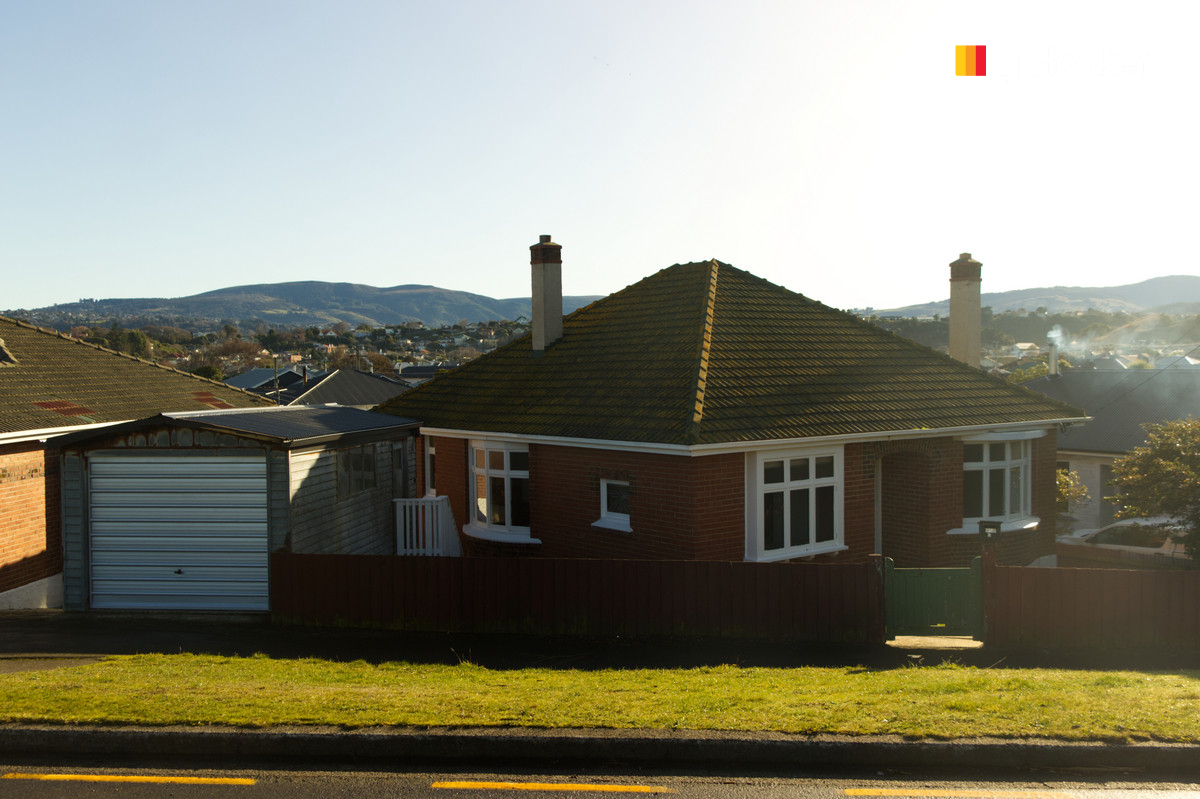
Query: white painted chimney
{"type": "Point", "coordinates": [966, 325]}
{"type": "Point", "coordinates": [545, 260]}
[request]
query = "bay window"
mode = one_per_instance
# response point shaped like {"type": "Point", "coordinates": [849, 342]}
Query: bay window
{"type": "Point", "coordinates": [797, 508]}
{"type": "Point", "coordinates": [996, 480]}
{"type": "Point", "coordinates": [499, 490]}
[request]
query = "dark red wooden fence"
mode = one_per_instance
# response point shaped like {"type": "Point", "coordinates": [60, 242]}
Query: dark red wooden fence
{"type": "Point", "coordinates": [1091, 608]}
{"type": "Point", "coordinates": [1024, 607]}
{"type": "Point", "coordinates": [783, 601]}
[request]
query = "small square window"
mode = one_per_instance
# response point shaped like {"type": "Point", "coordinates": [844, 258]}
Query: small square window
{"type": "Point", "coordinates": [615, 497]}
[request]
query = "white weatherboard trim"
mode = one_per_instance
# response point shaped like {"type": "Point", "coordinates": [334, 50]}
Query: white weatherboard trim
{"type": "Point", "coordinates": [743, 446]}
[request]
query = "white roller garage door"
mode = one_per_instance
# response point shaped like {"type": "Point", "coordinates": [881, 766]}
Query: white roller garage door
{"type": "Point", "coordinates": [180, 533]}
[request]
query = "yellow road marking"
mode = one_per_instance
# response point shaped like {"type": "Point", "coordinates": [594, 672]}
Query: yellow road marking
{"type": "Point", "coordinates": [978, 794]}
{"type": "Point", "coordinates": [553, 786]}
{"type": "Point", "coordinates": [130, 778]}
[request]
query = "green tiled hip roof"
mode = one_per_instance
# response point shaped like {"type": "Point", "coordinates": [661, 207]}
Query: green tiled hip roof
{"type": "Point", "coordinates": [49, 381]}
{"type": "Point", "coordinates": [704, 353]}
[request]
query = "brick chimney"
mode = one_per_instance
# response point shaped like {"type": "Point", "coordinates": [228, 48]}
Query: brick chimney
{"type": "Point", "coordinates": [966, 327]}
{"type": "Point", "coordinates": [545, 260]}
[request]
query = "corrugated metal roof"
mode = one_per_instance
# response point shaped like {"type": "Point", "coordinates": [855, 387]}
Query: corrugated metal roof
{"type": "Point", "coordinates": [299, 422]}
{"type": "Point", "coordinates": [705, 353]}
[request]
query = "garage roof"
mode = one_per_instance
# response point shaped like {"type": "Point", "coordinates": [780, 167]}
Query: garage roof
{"type": "Point", "coordinates": [288, 425]}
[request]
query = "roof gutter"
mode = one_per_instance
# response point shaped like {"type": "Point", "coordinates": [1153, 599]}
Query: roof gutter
{"type": "Point", "coordinates": [742, 446]}
{"type": "Point", "coordinates": [50, 432]}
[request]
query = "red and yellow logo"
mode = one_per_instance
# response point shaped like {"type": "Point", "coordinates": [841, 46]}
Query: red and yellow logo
{"type": "Point", "coordinates": [970, 60]}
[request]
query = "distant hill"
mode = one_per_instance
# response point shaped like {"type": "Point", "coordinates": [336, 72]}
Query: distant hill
{"type": "Point", "coordinates": [1173, 294]}
{"type": "Point", "coordinates": [299, 304]}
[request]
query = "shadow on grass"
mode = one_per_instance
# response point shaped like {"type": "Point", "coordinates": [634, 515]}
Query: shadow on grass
{"type": "Point", "coordinates": [104, 633]}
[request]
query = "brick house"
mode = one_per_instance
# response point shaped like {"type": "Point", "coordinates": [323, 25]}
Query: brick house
{"type": "Point", "coordinates": [51, 384]}
{"type": "Point", "coordinates": [705, 413]}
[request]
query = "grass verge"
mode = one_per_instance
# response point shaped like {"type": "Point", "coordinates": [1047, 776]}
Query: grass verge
{"type": "Point", "coordinates": [932, 702]}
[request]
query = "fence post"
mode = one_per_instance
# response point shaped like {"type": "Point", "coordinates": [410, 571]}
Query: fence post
{"type": "Point", "coordinates": [988, 578]}
{"type": "Point", "coordinates": [877, 601]}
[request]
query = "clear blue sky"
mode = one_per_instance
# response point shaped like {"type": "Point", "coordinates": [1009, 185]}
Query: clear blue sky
{"type": "Point", "coordinates": [167, 148]}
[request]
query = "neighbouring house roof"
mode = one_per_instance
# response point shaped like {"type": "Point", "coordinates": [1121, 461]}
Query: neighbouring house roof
{"type": "Point", "coordinates": [344, 387]}
{"type": "Point", "coordinates": [296, 425]}
{"type": "Point", "coordinates": [704, 353]}
{"type": "Point", "coordinates": [1120, 401]}
{"type": "Point", "coordinates": [264, 377]}
{"type": "Point", "coordinates": [50, 381]}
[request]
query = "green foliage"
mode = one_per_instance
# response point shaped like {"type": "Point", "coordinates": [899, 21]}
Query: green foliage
{"type": "Point", "coordinates": [137, 344]}
{"type": "Point", "coordinates": [1071, 491]}
{"type": "Point", "coordinates": [209, 371]}
{"type": "Point", "coordinates": [1040, 369]}
{"type": "Point", "coordinates": [1162, 478]}
{"type": "Point", "coordinates": [116, 337]}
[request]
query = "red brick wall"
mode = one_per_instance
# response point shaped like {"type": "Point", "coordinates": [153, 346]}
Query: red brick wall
{"type": "Point", "coordinates": [693, 507]}
{"type": "Point", "coordinates": [719, 499]}
{"type": "Point", "coordinates": [450, 479]}
{"type": "Point", "coordinates": [680, 507]}
{"type": "Point", "coordinates": [906, 527]}
{"type": "Point", "coordinates": [858, 469]}
{"type": "Point", "coordinates": [30, 530]}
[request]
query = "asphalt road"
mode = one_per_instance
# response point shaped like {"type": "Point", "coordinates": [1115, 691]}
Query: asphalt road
{"type": "Point", "coordinates": [46, 782]}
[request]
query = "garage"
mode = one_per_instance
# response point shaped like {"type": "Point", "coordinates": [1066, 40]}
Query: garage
{"type": "Point", "coordinates": [178, 532]}
{"type": "Point", "coordinates": [180, 511]}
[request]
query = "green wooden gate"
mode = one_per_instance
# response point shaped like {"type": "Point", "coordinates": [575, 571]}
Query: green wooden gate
{"type": "Point", "coordinates": [934, 601]}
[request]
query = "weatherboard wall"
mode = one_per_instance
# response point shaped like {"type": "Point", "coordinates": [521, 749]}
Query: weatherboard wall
{"type": "Point", "coordinates": [326, 518]}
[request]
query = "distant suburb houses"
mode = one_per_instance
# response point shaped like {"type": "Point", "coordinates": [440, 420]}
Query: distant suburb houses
{"type": "Point", "coordinates": [750, 423]}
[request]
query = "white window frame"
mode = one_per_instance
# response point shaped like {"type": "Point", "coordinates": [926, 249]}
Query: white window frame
{"type": "Point", "coordinates": [484, 528]}
{"type": "Point", "coordinates": [758, 464]}
{"type": "Point", "coordinates": [430, 463]}
{"type": "Point", "coordinates": [609, 519]}
{"type": "Point", "coordinates": [1013, 518]}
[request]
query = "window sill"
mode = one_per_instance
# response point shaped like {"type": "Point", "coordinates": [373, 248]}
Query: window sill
{"type": "Point", "coordinates": [771, 557]}
{"type": "Point", "coordinates": [500, 536]}
{"type": "Point", "coordinates": [1006, 527]}
{"type": "Point", "coordinates": [616, 525]}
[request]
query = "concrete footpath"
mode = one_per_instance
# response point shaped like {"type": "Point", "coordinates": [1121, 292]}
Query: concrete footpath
{"type": "Point", "coordinates": [47, 639]}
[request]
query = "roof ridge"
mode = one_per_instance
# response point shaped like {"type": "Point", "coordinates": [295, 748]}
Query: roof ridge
{"type": "Point", "coordinates": [701, 381]}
